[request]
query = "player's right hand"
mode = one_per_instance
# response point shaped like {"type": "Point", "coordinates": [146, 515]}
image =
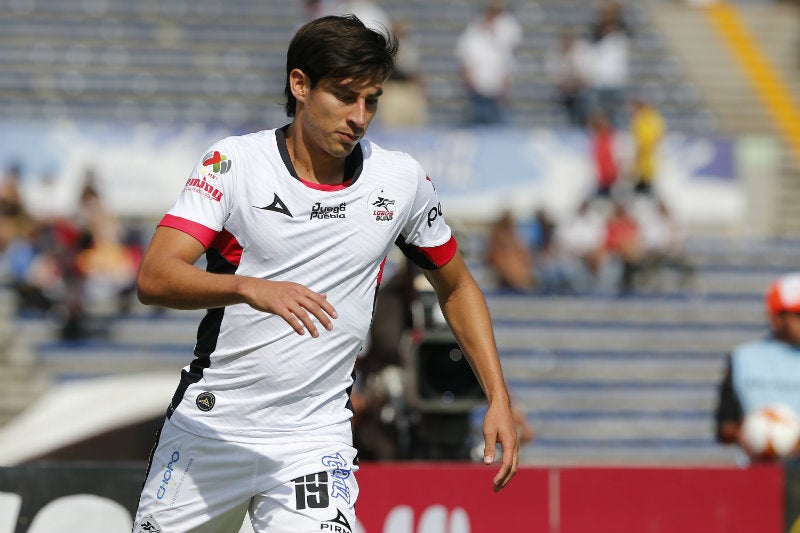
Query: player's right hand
{"type": "Point", "coordinates": [293, 302]}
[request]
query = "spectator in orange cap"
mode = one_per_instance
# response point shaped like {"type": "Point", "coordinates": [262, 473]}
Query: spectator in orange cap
{"type": "Point", "coordinates": [765, 371]}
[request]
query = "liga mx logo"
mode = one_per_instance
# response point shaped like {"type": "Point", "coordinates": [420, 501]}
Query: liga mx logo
{"type": "Point", "coordinates": [219, 163]}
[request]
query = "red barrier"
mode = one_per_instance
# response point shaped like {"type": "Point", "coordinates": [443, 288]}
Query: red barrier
{"type": "Point", "coordinates": [428, 494]}
{"type": "Point", "coordinates": [670, 500]}
{"type": "Point", "coordinates": [458, 498]}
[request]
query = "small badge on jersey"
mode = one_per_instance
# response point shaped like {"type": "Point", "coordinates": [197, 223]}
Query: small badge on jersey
{"type": "Point", "coordinates": [205, 401]}
{"type": "Point", "coordinates": [381, 206]}
{"type": "Point", "coordinates": [148, 525]}
{"type": "Point", "coordinates": [219, 163]}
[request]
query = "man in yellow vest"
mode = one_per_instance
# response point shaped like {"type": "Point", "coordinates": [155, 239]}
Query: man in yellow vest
{"type": "Point", "coordinates": [647, 129]}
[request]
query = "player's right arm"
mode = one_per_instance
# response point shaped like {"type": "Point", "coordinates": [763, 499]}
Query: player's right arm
{"type": "Point", "coordinates": [168, 277]}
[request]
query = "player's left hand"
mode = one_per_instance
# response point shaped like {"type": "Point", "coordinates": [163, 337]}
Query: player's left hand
{"type": "Point", "coordinates": [499, 428]}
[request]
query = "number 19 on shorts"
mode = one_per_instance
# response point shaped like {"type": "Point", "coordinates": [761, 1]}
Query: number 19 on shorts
{"type": "Point", "coordinates": [311, 491]}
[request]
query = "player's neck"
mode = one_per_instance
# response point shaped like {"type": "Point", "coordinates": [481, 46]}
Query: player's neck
{"type": "Point", "coordinates": [311, 165]}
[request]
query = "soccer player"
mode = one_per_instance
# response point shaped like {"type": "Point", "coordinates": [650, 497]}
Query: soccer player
{"type": "Point", "coordinates": [296, 224]}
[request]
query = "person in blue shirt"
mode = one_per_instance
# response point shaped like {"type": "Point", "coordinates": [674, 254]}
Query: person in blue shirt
{"type": "Point", "coordinates": [765, 371]}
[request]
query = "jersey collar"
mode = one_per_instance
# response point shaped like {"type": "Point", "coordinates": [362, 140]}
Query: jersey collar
{"type": "Point", "coordinates": [353, 164]}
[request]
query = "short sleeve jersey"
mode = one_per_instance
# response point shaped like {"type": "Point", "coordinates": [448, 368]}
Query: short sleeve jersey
{"type": "Point", "coordinates": [253, 377]}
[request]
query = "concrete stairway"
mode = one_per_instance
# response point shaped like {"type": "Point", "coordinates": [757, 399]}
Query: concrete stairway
{"type": "Point", "coordinates": [635, 380]}
{"type": "Point", "coordinates": [709, 63]}
{"type": "Point", "coordinates": [631, 380]}
{"type": "Point", "coordinates": [439, 25]}
{"type": "Point", "coordinates": [21, 381]}
{"type": "Point", "coordinates": [118, 61]}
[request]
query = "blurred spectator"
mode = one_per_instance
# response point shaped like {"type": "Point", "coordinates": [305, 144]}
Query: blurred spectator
{"type": "Point", "coordinates": [567, 67]}
{"type": "Point", "coordinates": [765, 371]}
{"type": "Point", "coordinates": [610, 14]}
{"type": "Point", "coordinates": [550, 271]}
{"type": "Point", "coordinates": [624, 243]}
{"type": "Point", "coordinates": [45, 276]}
{"type": "Point", "coordinates": [91, 214]}
{"type": "Point", "coordinates": [508, 256]}
{"type": "Point", "coordinates": [404, 102]}
{"type": "Point", "coordinates": [581, 239]}
{"type": "Point", "coordinates": [604, 156]}
{"type": "Point", "coordinates": [49, 197]}
{"type": "Point", "coordinates": [540, 231]}
{"type": "Point", "coordinates": [13, 217]}
{"type": "Point", "coordinates": [108, 263]}
{"type": "Point", "coordinates": [10, 196]}
{"type": "Point", "coordinates": [610, 72]}
{"type": "Point", "coordinates": [647, 129]}
{"type": "Point", "coordinates": [663, 245]}
{"type": "Point", "coordinates": [35, 275]}
{"type": "Point", "coordinates": [485, 52]}
{"type": "Point", "coordinates": [64, 264]}
{"type": "Point", "coordinates": [39, 245]}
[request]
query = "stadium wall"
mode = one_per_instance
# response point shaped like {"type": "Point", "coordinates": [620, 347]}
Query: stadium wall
{"type": "Point", "coordinates": [443, 498]}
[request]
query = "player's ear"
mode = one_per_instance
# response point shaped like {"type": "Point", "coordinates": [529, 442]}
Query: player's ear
{"type": "Point", "coordinates": [299, 84]}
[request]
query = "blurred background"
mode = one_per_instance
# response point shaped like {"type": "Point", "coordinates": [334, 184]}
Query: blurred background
{"type": "Point", "coordinates": [623, 178]}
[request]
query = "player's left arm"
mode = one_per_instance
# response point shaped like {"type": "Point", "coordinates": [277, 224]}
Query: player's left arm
{"type": "Point", "coordinates": [467, 314]}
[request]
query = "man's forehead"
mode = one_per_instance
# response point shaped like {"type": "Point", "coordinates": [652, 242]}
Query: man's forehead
{"type": "Point", "coordinates": [358, 84]}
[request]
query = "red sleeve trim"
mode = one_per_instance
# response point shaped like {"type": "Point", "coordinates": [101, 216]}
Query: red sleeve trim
{"type": "Point", "coordinates": [227, 245]}
{"type": "Point", "coordinates": [442, 254]}
{"type": "Point", "coordinates": [200, 232]}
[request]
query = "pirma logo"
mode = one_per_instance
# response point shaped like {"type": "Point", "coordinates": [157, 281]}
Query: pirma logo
{"type": "Point", "coordinates": [278, 206]}
{"type": "Point", "coordinates": [336, 525]}
{"type": "Point", "coordinates": [205, 401]}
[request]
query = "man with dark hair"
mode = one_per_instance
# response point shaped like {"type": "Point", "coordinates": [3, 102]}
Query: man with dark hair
{"type": "Point", "coordinates": [296, 224]}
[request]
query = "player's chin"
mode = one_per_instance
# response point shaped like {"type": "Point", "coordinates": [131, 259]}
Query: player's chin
{"type": "Point", "coordinates": [342, 148]}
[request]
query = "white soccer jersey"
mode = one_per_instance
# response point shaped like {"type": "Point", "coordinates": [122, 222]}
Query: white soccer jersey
{"type": "Point", "coordinates": [254, 377]}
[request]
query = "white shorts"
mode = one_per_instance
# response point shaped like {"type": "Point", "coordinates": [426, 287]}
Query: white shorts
{"type": "Point", "coordinates": [198, 484]}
